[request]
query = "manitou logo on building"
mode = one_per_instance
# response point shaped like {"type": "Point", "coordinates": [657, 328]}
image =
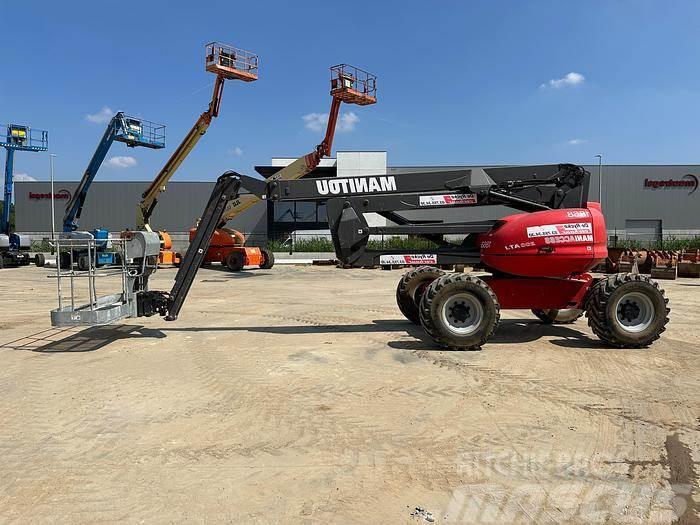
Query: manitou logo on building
{"type": "Point", "coordinates": [346, 185]}
{"type": "Point", "coordinates": [689, 182]}
{"type": "Point", "coordinates": [59, 195]}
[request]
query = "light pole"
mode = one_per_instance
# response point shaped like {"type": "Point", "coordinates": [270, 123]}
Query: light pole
{"type": "Point", "coordinates": [600, 179]}
{"type": "Point", "coordinates": [53, 215]}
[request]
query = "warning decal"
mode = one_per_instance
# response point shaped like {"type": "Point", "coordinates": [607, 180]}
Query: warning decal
{"type": "Point", "coordinates": [452, 199]}
{"type": "Point", "coordinates": [550, 230]}
{"type": "Point", "coordinates": [416, 258]}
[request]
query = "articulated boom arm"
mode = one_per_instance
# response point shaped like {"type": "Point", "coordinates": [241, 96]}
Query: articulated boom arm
{"type": "Point", "coordinates": [348, 199]}
{"type": "Point", "coordinates": [133, 132]}
{"type": "Point", "coordinates": [150, 196]}
{"type": "Point", "coordinates": [296, 170]}
{"type": "Point", "coordinates": [169, 304]}
{"type": "Point", "coordinates": [348, 84]}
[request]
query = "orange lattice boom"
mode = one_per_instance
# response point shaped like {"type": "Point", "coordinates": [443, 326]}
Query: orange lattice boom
{"type": "Point", "coordinates": [231, 63]}
{"type": "Point", "coordinates": [353, 85]}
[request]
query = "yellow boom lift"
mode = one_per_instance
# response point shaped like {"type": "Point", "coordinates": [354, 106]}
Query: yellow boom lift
{"type": "Point", "coordinates": [227, 63]}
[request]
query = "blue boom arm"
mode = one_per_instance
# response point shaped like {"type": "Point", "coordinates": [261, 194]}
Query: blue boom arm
{"type": "Point", "coordinates": [133, 132]}
{"type": "Point", "coordinates": [5, 219]}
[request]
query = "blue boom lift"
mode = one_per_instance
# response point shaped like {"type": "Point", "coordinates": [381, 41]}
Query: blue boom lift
{"type": "Point", "coordinates": [131, 131]}
{"type": "Point", "coordinates": [13, 246]}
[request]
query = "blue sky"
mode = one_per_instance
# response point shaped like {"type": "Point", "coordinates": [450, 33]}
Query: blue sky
{"type": "Point", "coordinates": [459, 82]}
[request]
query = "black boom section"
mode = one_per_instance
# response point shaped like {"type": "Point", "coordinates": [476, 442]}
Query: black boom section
{"type": "Point", "coordinates": [226, 189]}
{"type": "Point", "coordinates": [550, 186]}
{"type": "Point", "coordinates": [169, 304]}
{"type": "Point", "coordinates": [348, 199]}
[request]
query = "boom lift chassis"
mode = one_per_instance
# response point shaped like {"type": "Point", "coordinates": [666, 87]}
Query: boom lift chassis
{"type": "Point", "coordinates": [537, 260]}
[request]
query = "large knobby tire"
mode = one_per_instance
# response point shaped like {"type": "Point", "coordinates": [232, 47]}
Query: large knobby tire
{"type": "Point", "coordinates": [459, 311]}
{"type": "Point", "coordinates": [554, 316]}
{"type": "Point", "coordinates": [627, 310]}
{"type": "Point", "coordinates": [410, 290]}
{"type": "Point", "coordinates": [235, 261]}
{"type": "Point", "coordinates": [40, 260]}
{"type": "Point", "coordinates": [268, 259]}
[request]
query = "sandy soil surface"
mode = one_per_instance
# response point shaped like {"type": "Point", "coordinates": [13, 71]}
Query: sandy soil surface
{"type": "Point", "coordinates": [300, 395]}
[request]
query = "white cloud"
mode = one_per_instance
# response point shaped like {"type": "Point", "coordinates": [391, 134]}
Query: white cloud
{"type": "Point", "coordinates": [348, 121]}
{"type": "Point", "coordinates": [318, 121]}
{"type": "Point", "coordinates": [570, 79]}
{"type": "Point", "coordinates": [101, 117]}
{"type": "Point", "coordinates": [315, 121]}
{"type": "Point", "coordinates": [576, 142]}
{"type": "Point", "coordinates": [236, 151]}
{"type": "Point", "coordinates": [121, 162]}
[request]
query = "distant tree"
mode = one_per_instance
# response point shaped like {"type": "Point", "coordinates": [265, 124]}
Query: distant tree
{"type": "Point", "coordinates": [12, 214]}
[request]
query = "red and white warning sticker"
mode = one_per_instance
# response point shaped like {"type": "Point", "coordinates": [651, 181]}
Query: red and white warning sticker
{"type": "Point", "coordinates": [550, 230]}
{"type": "Point", "coordinates": [415, 258]}
{"type": "Point", "coordinates": [452, 199]}
{"type": "Point", "coordinates": [566, 239]}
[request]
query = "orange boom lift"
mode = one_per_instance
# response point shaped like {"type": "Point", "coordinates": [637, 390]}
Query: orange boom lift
{"type": "Point", "coordinates": [349, 84]}
{"type": "Point", "coordinates": [227, 63]}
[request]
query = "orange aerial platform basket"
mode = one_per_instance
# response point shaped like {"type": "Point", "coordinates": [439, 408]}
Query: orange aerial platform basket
{"type": "Point", "coordinates": [231, 63]}
{"type": "Point", "coordinates": [353, 85]}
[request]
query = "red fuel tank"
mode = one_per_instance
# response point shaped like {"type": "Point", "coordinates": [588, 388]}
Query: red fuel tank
{"type": "Point", "coordinates": [551, 243]}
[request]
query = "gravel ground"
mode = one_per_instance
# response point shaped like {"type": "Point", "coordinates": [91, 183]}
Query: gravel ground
{"type": "Point", "coordinates": [300, 395]}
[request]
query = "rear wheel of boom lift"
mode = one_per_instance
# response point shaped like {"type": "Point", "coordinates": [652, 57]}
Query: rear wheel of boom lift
{"type": "Point", "coordinates": [235, 261]}
{"type": "Point", "coordinates": [64, 260]}
{"type": "Point", "coordinates": [177, 260]}
{"type": "Point", "coordinates": [410, 290]}
{"type": "Point", "coordinates": [459, 311]}
{"type": "Point", "coordinates": [39, 260]}
{"type": "Point", "coordinates": [268, 259]}
{"type": "Point", "coordinates": [554, 316]}
{"type": "Point", "coordinates": [627, 310]}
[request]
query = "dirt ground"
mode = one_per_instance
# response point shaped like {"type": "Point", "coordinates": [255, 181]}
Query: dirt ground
{"type": "Point", "coordinates": [301, 395]}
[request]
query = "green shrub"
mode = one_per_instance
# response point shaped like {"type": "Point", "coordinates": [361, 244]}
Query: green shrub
{"type": "Point", "coordinates": [669, 243]}
{"type": "Point", "coordinates": [324, 244]}
{"type": "Point", "coordinates": [40, 246]}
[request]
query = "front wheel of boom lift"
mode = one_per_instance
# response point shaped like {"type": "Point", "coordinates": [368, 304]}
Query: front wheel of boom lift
{"type": "Point", "coordinates": [410, 290]}
{"type": "Point", "coordinates": [235, 261]}
{"type": "Point", "coordinates": [554, 316]}
{"type": "Point", "coordinates": [39, 260]}
{"type": "Point", "coordinates": [627, 310]}
{"type": "Point", "coordinates": [459, 311]}
{"type": "Point", "coordinates": [268, 259]}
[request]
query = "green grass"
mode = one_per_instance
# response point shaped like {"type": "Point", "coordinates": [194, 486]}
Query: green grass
{"type": "Point", "coordinates": [324, 244]}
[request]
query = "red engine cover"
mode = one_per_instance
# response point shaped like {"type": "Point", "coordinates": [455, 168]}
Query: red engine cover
{"type": "Point", "coordinates": [552, 243]}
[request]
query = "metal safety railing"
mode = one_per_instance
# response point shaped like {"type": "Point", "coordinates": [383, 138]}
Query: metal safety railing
{"type": "Point", "coordinates": [22, 137]}
{"type": "Point", "coordinates": [83, 253]}
{"type": "Point", "coordinates": [353, 85]}
{"type": "Point", "coordinates": [136, 131]}
{"type": "Point", "coordinates": [231, 62]}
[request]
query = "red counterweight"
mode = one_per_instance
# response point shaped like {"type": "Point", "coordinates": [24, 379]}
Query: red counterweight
{"type": "Point", "coordinates": [554, 243]}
